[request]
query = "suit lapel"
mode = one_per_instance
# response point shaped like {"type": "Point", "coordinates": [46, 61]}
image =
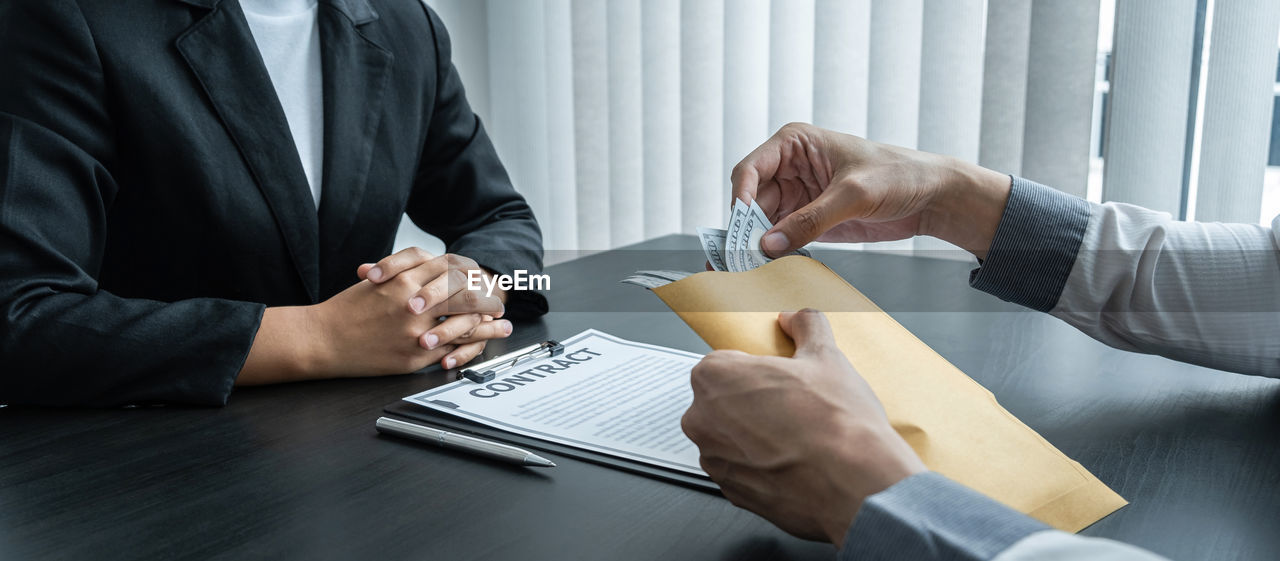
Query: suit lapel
{"type": "Point", "coordinates": [355, 74]}
{"type": "Point", "coordinates": [221, 52]}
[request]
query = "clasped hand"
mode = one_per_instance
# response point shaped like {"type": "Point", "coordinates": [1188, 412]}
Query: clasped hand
{"type": "Point", "coordinates": [410, 309]}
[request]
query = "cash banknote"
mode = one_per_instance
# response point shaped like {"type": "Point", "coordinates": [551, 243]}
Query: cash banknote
{"type": "Point", "coordinates": [654, 279]}
{"type": "Point", "coordinates": [736, 248]}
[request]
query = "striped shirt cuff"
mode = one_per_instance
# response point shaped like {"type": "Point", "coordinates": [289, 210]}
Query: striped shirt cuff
{"type": "Point", "coordinates": [1034, 247]}
{"type": "Point", "coordinates": [929, 517]}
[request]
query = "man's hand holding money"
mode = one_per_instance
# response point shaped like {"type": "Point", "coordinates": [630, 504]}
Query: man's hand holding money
{"type": "Point", "coordinates": [816, 184]}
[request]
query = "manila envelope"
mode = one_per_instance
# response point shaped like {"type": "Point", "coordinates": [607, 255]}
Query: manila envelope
{"type": "Point", "coordinates": [954, 424]}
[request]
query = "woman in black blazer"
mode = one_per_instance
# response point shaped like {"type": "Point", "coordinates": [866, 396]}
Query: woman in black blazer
{"type": "Point", "coordinates": [158, 239]}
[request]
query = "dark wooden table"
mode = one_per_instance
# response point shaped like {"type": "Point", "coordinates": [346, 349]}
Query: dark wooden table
{"type": "Point", "coordinates": [297, 471]}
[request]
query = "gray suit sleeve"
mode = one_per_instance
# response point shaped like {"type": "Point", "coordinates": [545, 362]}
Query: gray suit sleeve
{"type": "Point", "coordinates": [1138, 280]}
{"type": "Point", "coordinates": [927, 517]}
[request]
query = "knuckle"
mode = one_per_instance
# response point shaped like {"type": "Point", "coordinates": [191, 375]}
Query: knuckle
{"type": "Point", "coordinates": [714, 467]}
{"type": "Point", "coordinates": [470, 298]}
{"type": "Point", "coordinates": [468, 329]}
{"type": "Point", "coordinates": [689, 425]}
{"type": "Point", "coordinates": [471, 351]}
{"type": "Point", "coordinates": [428, 293]}
{"type": "Point", "coordinates": [403, 282]}
{"type": "Point", "coordinates": [448, 330]}
{"type": "Point", "coordinates": [792, 128]}
{"type": "Point", "coordinates": [443, 351]}
{"type": "Point", "coordinates": [698, 372]}
{"type": "Point", "coordinates": [809, 220]}
{"type": "Point", "coordinates": [716, 360]}
{"type": "Point", "coordinates": [439, 290]}
{"type": "Point", "coordinates": [420, 254]}
{"type": "Point", "coordinates": [458, 278]}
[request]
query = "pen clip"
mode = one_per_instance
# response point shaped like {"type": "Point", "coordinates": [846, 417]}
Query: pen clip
{"type": "Point", "coordinates": [486, 371]}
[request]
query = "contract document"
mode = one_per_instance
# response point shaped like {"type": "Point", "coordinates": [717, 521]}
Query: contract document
{"type": "Point", "coordinates": [603, 394]}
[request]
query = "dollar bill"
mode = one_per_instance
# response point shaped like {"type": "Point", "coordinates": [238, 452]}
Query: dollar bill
{"type": "Point", "coordinates": [737, 218]}
{"type": "Point", "coordinates": [734, 249]}
{"type": "Point", "coordinates": [737, 248]}
{"type": "Point", "coordinates": [654, 279]}
{"type": "Point", "coordinates": [666, 274]}
{"type": "Point", "coordinates": [753, 228]}
{"type": "Point", "coordinates": [645, 281]}
{"type": "Point", "coordinates": [713, 245]}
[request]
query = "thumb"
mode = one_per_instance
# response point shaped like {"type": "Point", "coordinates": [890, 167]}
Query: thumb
{"type": "Point", "coordinates": [802, 226]}
{"type": "Point", "coordinates": [810, 331]}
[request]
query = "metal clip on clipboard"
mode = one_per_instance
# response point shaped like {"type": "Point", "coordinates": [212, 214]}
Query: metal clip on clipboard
{"type": "Point", "coordinates": [486, 370]}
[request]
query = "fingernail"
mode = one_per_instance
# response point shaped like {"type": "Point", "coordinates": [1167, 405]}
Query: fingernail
{"type": "Point", "coordinates": [775, 243]}
{"type": "Point", "coordinates": [374, 274]}
{"type": "Point", "coordinates": [506, 327]}
{"type": "Point", "coordinates": [417, 304]}
{"type": "Point", "coordinates": [450, 362]}
{"type": "Point", "coordinates": [431, 340]}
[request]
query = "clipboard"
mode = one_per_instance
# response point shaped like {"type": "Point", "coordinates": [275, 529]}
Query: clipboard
{"type": "Point", "coordinates": [413, 412]}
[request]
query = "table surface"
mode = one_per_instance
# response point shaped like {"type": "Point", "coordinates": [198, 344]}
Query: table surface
{"type": "Point", "coordinates": [297, 471]}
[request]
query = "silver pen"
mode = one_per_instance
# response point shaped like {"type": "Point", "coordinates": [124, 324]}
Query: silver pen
{"type": "Point", "coordinates": [461, 442]}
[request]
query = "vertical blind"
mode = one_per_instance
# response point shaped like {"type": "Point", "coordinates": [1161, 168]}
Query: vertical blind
{"type": "Point", "coordinates": [1237, 115]}
{"type": "Point", "coordinates": [619, 120]}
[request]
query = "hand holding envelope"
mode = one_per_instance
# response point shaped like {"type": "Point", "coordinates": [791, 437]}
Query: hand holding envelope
{"type": "Point", "coordinates": [801, 441]}
{"type": "Point", "coordinates": [820, 185]}
{"type": "Point", "coordinates": [954, 425]}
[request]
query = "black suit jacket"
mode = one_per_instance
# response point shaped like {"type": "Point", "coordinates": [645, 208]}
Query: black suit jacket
{"type": "Point", "coordinates": [152, 202]}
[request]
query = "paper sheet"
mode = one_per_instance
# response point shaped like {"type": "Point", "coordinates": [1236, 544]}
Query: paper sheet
{"type": "Point", "coordinates": [604, 394]}
{"type": "Point", "coordinates": [953, 423]}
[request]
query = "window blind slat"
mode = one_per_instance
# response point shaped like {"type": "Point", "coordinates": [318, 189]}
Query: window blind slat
{"type": "Point", "coordinates": [790, 62]}
{"type": "Point", "coordinates": [560, 229]}
{"type": "Point", "coordinates": [1060, 82]}
{"type": "Point", "coordinates": [842, 29]}
{"type": "Point", "coordinates": [591, 122]}
{"type": "Point", "coordinates": [1238, 101]}
{"type": "Point", "coordinates": [1004, 85]}
{"type": "Point", "coordinates": [893, 98]}
{"type": "Point", "coordinates": [626, 143]}
{"type": "Point", "coordinates": [951, 78]}
{"type": "Point", "coordinates": [746, 80]}
{"type": "Point", "coordinates": [1148, 103]}
{"type": "Point", "coordinates": [660, 22]}
{"type": "Point", "coordinates": [705, 181]}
